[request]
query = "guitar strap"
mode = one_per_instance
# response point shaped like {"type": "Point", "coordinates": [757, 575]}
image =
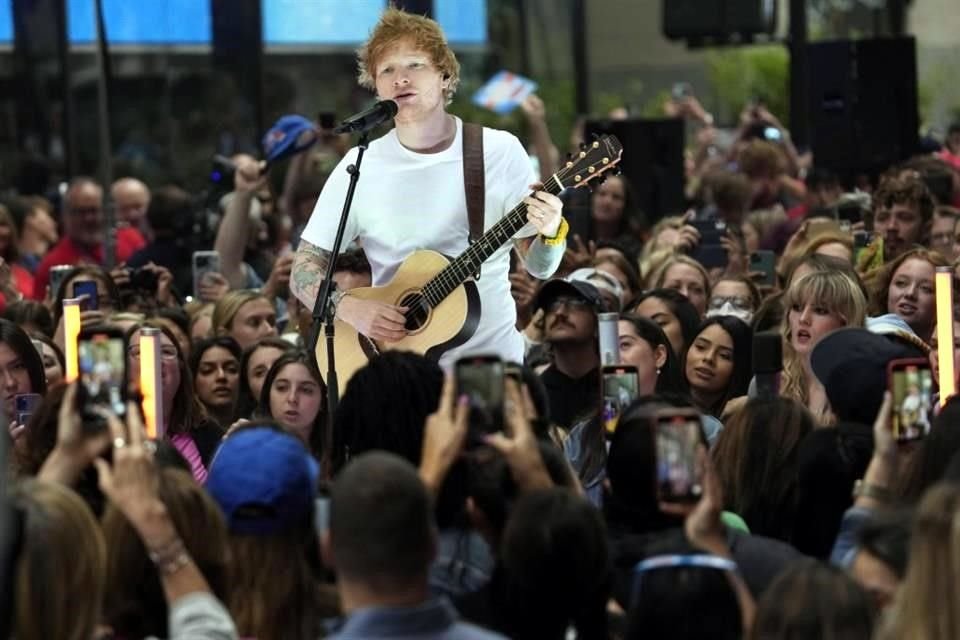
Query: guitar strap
{"type": "Point", "coordinates": [473, 177]}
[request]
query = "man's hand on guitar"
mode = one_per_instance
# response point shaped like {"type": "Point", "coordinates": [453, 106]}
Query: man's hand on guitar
{"type": "Point", "coordinates": [376, 320]}
{"type": "Point", "coordinates": [544, 211]}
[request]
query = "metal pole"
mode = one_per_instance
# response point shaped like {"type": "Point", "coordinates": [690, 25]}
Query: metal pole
{"type": "Point", "coordinates": [799, 74]}
{"type": "Point", "coordinates": [106, 148]}
{"type": "Point", "coordinates": [69, 112]}
{"type": "Point", "coordinates": [581, 67]}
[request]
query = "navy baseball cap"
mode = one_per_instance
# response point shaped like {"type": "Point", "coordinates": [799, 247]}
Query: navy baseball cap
{"type": "Point", "coordinates": [264, 480]}
{"type": "Point", "coordinates": [288, 136]}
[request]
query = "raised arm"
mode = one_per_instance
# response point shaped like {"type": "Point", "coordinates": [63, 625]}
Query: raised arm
{"type": "Point", "coordinates": [231, 241]}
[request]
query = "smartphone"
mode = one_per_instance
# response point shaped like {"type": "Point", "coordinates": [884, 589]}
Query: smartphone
{"type": "Point", "coordinates": [681, 90]}
{"type": "Point", "coordinates": [57, 274]}
{"type": "Point", "coordinates": [678, 435]}
{"type": "Point", "coordinates": [710, 230]}
{"type": "Point", "coordinates": [204, 262]}
{"type": "Point", "coordinates": [711, 256]}
{"type": "Point", "coordinates": [862, 239]}
{"type": "Point", "coordinates": [321, 513]}
{"type": "Point", "coordinates": [852, 212]}
{"type": "Point", "coordinates": [608, 329]}
{"type": "Point", "coordinates": [911, 384]}
{"type": "Point", "coordinates": [764, 262]}
{"type": "Point", "coordinates": [481, 379]}
{"type": "Point", "coordinates": [102, 360]}
{"type": "Point", "coordinates": [87, 289]}
{"type": "Point", "coordinates": [619, 386]}
{"type": "Point", "coordinates": [327, 119]}
{"type": "Point", "coordinates": [25, 404]}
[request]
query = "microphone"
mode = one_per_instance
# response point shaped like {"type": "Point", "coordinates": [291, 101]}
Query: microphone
{"type": "Point", "coordinates": [767, 363]}
{"type": "Point", "coordinates": [369, 118]}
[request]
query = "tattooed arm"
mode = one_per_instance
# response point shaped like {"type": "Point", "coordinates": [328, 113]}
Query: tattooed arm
{"type": "Point", "coordinates": [309, 267]}
{"type": "Point", "coordinates": [377, 320]}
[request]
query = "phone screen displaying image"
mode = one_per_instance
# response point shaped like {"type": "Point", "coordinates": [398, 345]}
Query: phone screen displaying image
{"type": "Point", "coordinates": [679, 478]}
{"type": "Point", "coordinates": [620, 388]}
{"type": "Point", "coordinates": [102, 359]}
{"type": "Point", "coordinates": [912, 388]}
{"type": "Point", "coordinates": [481, 380]}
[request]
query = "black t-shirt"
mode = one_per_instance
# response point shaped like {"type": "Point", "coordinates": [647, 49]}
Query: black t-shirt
{"type": "Point", "coordinates": [571, 398]}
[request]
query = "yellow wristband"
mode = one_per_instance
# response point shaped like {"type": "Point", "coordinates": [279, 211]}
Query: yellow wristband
{"type": "Point", "coordinates": [560, 237]}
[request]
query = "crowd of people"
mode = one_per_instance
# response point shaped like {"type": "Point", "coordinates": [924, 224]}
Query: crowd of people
{"type": "Point", "coordinates": [791, 508]}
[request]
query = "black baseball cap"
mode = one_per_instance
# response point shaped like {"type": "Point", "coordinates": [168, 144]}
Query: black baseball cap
{"type": "Point", "coordinates": [557, 287]}
{"type": "Point", "coordinates": [851, 364]}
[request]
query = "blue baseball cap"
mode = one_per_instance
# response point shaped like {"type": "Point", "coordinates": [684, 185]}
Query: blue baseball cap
{"type": "Point", "coordinates": [264, 480]}
{"type": "Point", "coordinates": [288, 136]}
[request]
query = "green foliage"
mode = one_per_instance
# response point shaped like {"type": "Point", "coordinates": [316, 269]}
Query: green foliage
{"type": "Point", "coordinates": [737, 74]}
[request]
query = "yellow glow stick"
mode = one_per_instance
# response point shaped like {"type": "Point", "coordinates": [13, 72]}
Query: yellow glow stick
{"type": "Point", "coordinates": [71, 330]}
{"type": "Point", "coordinates": [948, 383]}
{"type": "Point", "coordinates": [150, 382]}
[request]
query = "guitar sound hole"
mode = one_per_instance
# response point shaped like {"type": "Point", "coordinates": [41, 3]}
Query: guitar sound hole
{"type": "Point", "coordinates": [417, 311]}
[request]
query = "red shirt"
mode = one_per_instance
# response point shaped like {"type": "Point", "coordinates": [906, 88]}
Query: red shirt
{"type": "Point", "coordinates": [129, 241]}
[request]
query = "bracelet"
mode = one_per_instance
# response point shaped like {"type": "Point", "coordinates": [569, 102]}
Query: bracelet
{"type": "Point", "coordinates": [170, 558]}
{"type": "Point", "coordinates": [560, 237]}
{"type": "Point", "coordinates": [863, 489]}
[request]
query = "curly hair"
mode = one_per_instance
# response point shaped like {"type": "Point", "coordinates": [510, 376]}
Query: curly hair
{"type": "Point", "coordinates": [761, 159]}
{"type": "Point", "coordinates": [424, 34]}
{"type": "Point", "coordinates": [906, 188]}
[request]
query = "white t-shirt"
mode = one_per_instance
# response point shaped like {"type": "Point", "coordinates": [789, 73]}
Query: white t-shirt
{"type": "Point", "coordinates": [407, 201]}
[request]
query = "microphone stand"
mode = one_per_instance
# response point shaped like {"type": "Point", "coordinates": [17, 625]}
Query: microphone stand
{"type": "Point", "coordinates": [322, 311]}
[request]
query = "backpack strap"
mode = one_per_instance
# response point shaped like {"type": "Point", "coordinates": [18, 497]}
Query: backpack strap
{"type": "Point", "coordinates": [473, 177]}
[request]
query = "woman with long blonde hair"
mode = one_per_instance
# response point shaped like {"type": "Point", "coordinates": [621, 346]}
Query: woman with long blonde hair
{"type": "Point", "coordinates": [815, 305]}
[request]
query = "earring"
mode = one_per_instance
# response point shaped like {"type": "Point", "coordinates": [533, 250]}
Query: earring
{"type": "Point", "coordinates": [658, 371]}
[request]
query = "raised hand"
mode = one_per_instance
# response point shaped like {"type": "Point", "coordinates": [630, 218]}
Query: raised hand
{"type": "Point", "coordinates": [519, 444]}
{"type": "Point", "coordinates": [444, 434]}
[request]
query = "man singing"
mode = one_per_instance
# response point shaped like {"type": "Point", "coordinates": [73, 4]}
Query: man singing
{"type": "Point", "coordinates": [411, 193]}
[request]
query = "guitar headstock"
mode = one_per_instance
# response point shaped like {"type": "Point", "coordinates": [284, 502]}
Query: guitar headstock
{"type": "Point", "coordinates": [592, 161]}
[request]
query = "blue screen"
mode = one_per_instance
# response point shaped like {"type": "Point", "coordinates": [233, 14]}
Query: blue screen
{"type": "Point", "coordinates": [464, 21]}
{"type": "Point", "coordinates": [142, 22]}
{"type": "Point", "coordinates": [6, 21]}
{"type": "Point", "coordinates": [319, 21]}
{"type": "Point", "coordinates": [340, 22]}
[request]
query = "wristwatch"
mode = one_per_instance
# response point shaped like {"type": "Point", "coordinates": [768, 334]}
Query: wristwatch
{"type": "Point", "coordinates": [864, 489]}
{"type": "Point", "coordinates": [335, 299]}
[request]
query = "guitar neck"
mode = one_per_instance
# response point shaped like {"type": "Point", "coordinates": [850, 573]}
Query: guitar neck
{"type": "Point", "coordinates": [468, 263]}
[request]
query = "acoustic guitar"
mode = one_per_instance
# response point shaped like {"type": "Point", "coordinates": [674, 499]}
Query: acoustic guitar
{"type": "Point", "coordinates": [440, 294]}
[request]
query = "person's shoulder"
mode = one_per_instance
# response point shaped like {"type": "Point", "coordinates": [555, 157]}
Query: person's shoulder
{"type": "Point", "coordinates": [498, 138]}
{"type": "Point", "coordinates": [468, 631]}
{"type": "Point", "coordinates": [60, 253]}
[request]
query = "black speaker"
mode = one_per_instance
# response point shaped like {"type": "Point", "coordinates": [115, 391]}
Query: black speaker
{"type": "Point", "coordinates": [863, 103]}
{"type": "Point", "coordinates": [652, 161]}
{"type": "Point", "coordinates": [718, 19]}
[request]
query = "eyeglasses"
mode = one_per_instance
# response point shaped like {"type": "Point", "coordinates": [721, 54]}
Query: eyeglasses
{"type": "Point", "coordinates": [742, 304]}
{"type": "Point", "coordinates": [568, 301]}
{"type": "Point", "coordinates": [167, 352]}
